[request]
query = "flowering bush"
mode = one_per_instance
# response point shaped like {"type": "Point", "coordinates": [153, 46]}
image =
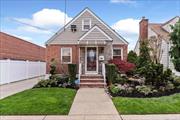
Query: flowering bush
{"type": "Point", "coordinates": [123, 66]}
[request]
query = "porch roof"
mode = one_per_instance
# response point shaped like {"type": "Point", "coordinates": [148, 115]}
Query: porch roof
{"type": "Point", "coordinates": [95, 34]}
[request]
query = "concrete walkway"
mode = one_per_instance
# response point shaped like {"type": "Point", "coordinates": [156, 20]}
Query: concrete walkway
{"type": "Point", "coordinates": [15, 87]}
{"type": "Point", "coordinates": [93, 104]}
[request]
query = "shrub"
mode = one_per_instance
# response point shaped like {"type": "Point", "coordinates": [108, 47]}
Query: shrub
{"type": "Point", "coordinates": [110, 73]}
{"type": "Point", "coordinates": [176, 81]}
{"type": "Point", "coordinates": [114, 89]}
{"type": "Point", "coordinates": [120, 79]}
{"type": "Point", "coordinates": [46, 83]}
{"type": "Point", "coordinates": [122, 66]}
{"type": "Point", "coordinates": [145, 90]}
{"type": "Point", "coordinates": [169, 86]}
{"type": "Point", "coordinates": [52, 67]}
{"type": "Point", "coordinates": [72, 68]}
{"type": "Point", "coordinates": [57, 81]}
{"type": "Point", "coordinates": [132, 57]}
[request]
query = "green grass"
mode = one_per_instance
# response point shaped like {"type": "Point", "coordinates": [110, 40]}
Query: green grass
{"type": "Point", "coordinates": [161, 105]}
{"type": "Point", "coordinates": [39, 101]}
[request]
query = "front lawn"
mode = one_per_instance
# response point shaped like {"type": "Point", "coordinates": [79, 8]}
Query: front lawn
{"type": "Point", "coordinates": [161, 105]}
{"type": "Point", "coordinates": [39, 101]}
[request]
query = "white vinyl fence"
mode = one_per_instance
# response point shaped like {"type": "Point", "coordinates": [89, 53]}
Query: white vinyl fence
{"type": "Point", "coordinates": [15, 70]}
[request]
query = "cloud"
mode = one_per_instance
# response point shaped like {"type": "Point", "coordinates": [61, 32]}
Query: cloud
{"type": "Point", "coordinates": [123, 1]}
{"type": "Point", "coordinates": [129, 29]}
{"type": "Point", "coordinates": [47, 18]}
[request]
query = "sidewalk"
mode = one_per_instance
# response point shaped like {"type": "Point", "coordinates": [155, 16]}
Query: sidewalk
{"type": "Point", "coordinates": [125, 117]}
{"type": "Point", "coordinates": [12, 88]}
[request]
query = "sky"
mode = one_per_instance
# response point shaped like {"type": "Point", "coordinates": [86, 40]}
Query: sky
{"type": "Point", "coordinates": [18, 17]}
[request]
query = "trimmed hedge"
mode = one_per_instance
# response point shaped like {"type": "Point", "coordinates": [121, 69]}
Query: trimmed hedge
{"type": "Point", "coordinates": [72, 69]}
{"type": "Point", "coordinates": [110, 73]}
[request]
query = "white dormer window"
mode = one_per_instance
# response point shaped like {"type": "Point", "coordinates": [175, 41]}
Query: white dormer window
{"type": "Point", "coordinates": [86, 24]}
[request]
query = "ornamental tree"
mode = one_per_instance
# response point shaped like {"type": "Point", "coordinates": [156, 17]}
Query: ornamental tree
{"type": "Point", "coordinates": [175, 48]}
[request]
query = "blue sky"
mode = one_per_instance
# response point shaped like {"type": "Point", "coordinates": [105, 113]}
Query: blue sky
{"type": "Point", "coordinates": [122, 15]}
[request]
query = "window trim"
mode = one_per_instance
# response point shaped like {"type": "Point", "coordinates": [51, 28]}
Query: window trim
{"type": "Point", "coordinates": [83, 24]}
{"type": "Point", "coordinates": [70, 55]}
{"type": "Point", "coordinates": [118, 48]}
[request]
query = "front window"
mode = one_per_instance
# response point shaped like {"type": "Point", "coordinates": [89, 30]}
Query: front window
{"type": "Point", "coordinates": [66, 55]}
{"type": "Point", "coordinates": [117, 53]}
{"type": "Point", "coordinates": [86, 24]}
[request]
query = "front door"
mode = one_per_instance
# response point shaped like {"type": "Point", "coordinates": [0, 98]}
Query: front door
{"type": "Point", "coordinates": [91, 60]}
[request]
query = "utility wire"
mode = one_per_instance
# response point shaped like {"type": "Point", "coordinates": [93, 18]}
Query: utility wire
{"type": "Point", "coordinates": [27, 24]}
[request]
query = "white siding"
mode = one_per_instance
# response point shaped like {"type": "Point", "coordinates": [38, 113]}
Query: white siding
{"type": "Point", "coordinates": [13, 70]}
{"type": "Point", "coordinates": [165, 54]}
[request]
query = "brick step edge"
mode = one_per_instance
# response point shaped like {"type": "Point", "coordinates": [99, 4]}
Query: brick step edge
{"type": "Point", "coordinates": [91, 81]}
{"type": "Point", "coordinates": [91, 85]}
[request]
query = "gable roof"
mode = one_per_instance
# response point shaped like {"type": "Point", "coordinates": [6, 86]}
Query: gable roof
{"type": "Point", "coordinates": [170, 20]}
{"type": "Point", "coordinates": [76, 17]}
{"type": "Point", "coordinates": [97, 30]}
{"type": "Point", "coordinates": [157, 28]}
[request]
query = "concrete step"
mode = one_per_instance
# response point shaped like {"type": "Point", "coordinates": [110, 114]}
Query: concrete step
{"type": "Point", "coordinates": [91, 80]}
{"type": "Point", "coordinates": [91, 76]}
{"type": "Point", "coordinates": [92, 85]}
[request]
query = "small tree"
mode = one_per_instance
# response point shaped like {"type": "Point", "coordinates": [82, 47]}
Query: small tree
{"type": "Point", "coordinates": [132, 57]}
{"type": "Point", "coordinates": [53, 64]}
{"type": "Point", "coordinates": [155, 44]}
{"type": "Point", "coordinates": [144, 56]}
{"type": "Point", "coordinates": [175, 48]}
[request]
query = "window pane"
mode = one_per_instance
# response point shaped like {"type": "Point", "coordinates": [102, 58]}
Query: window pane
{"type": "Point", "coordinates": [66, 59]}
{"type": "Point", "coordinates": [86, 26]}
{"type": "Point", "coordinates": [65, 52]}
{"type": "Point", "coordinates": [117, 52]}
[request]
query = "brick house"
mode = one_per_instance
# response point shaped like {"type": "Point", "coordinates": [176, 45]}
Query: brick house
{"type": "Point", "coordinates": [86, 41]}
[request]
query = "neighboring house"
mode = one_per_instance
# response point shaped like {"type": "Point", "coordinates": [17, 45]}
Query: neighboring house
{"type": "Point", "coordinates": [86, 41]}
{"type": "Point", "coordinates": [20, 59]}
{"type": "Point", "coordinates": [160, 31]}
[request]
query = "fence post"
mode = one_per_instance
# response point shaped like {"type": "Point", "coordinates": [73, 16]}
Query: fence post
{"type": "Point", "coordinates": [27, 69]}
{"type": "Point", "coordinates": [8, 70]}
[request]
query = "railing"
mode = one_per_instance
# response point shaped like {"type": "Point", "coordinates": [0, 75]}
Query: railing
{"type": "Point", "coordinates": [104, 73]}
{"type": "Point", "coordinates": [80, 71]}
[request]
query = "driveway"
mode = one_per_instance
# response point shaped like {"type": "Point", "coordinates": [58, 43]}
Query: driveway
{"type": "Point", "coordinates": [15, 87]}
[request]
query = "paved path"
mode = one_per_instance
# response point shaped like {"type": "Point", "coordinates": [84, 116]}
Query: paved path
{"type": "Point", "coordinates": [15, 87]}
{"type": "Point", "coordinates": [125, 117]}
{"type": "Point", "coordinates": [93, 104]}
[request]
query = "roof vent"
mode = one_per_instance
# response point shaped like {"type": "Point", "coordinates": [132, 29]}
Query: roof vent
{"type": "Point", "coordinates": [73, 28]}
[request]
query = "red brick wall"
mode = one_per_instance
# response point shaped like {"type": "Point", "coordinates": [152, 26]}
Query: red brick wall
{"type": "Point", "coordinates": [54, 51]}
{"type": "Point", "coordinates": [125, 50]}
{"type": "Point", "coordinates": [15, 48]}
{"type": "Point", "coordinates": [143, 29]}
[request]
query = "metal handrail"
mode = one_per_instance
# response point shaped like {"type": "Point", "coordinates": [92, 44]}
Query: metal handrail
{"type": "Point", "coordinates": [104, 73]}
{"type": "Point", "coordinates": [80, 71]}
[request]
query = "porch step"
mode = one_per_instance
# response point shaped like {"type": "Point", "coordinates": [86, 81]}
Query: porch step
{"type": "Point", "coordinates": [91, 76]}
{"type": "Point", "coordinates": [94, 80]}
{"type": "Point", "coordinates": [92, 85]}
